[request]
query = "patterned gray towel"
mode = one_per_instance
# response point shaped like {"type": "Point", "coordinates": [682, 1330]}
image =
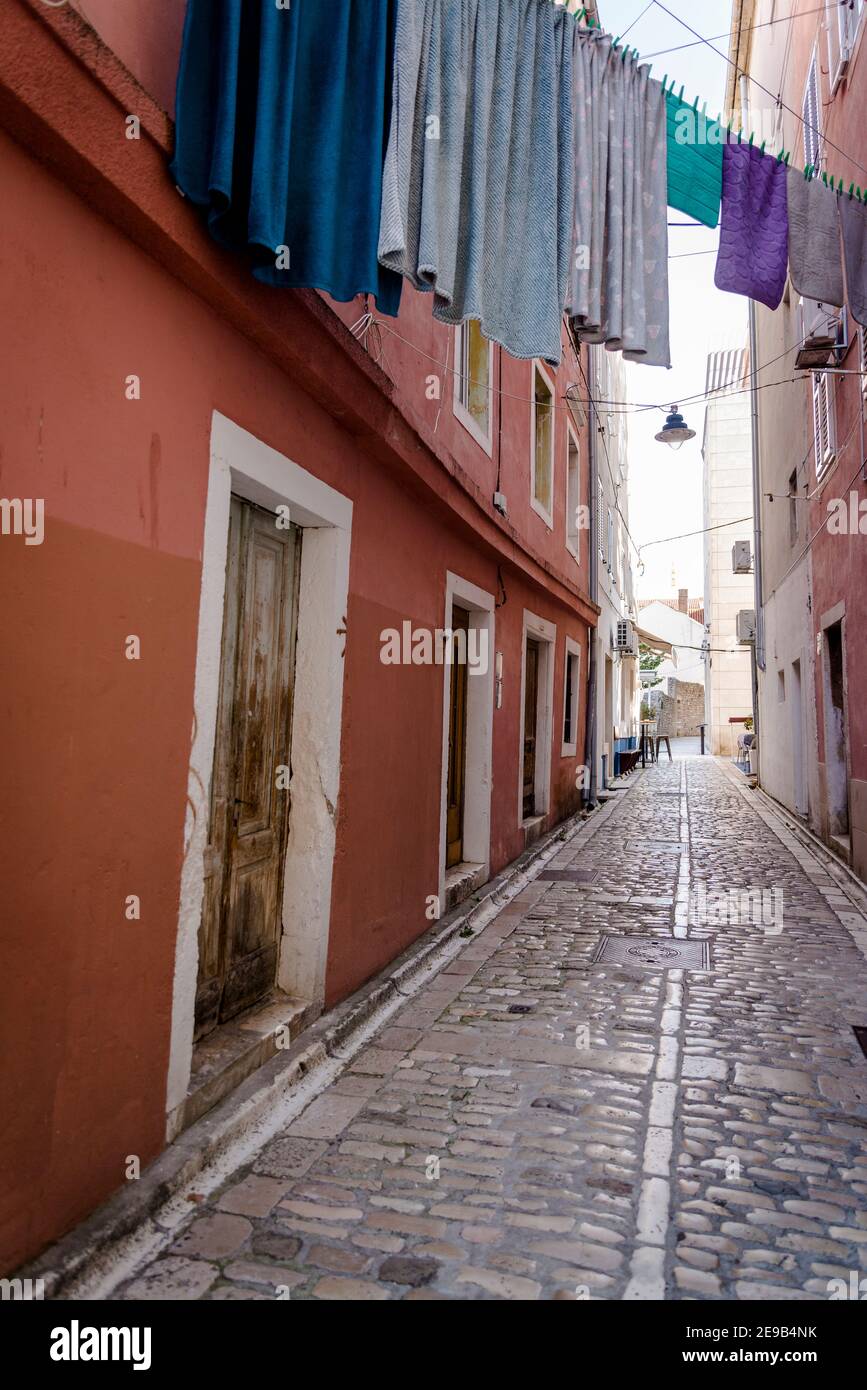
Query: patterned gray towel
{"type": "Point", "coordinates": [815, 266]}
{"type": "Point", "coordinates": [618, 289]}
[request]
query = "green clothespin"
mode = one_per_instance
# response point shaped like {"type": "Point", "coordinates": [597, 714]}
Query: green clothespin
{"type": "Point", "coordinates": [807, 171]}
{"type": "Point", "coordinates": [680, 93]}
{"type": "Point", "coordinates": [615, 43]}
{"type": "Point", "coordinates": [740, 133]}
{"type": "Point", "coordinates": [787, 159]}
{"type": "Point", "coordinates": [851, 188]}
{"type": "Point", "coordinates": [695, 104]}
{"type": "Point", "coordinates": [779, 157]}
{"type": "Point", "coordinates": [664, 80]}
{"type": "Point", "coordinates": [762, 150]}
{"type": "Point", "coordinates": [752, 134]}
{"type": "Point", "coordinates": [825, 177]}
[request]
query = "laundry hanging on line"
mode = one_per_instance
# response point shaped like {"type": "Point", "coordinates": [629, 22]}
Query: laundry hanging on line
{"type": "Point", "coordinates": [815, 265]}
{"type": "Point", "coordinates": [754, 226]}
{"type": "Point", "coordinates": [853, 226]}
{"type": "Point", "coordinates": [281, 123]}
{"type": "Point", "coordinates": [326, 173]}
{"type": "Point", "coordinates": [479, 172]}
{"type": "Point", "coordinates": [694, 154]}
{"type": "Point", "coordinates": [618, 287]}
{"type": "Point", "coordinates": [501, 109]}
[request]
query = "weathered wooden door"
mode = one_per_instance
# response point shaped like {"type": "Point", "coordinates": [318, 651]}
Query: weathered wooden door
{"type": "Point", "coordinates": [531, 705]}
{"type": "Point", "coordinates": [457, 740]}
{"type": "Point", "coordinates": [240, 928]}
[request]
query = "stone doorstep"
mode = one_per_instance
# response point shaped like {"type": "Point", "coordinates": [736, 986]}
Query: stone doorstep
{"type": "Point", "coordinates": [462, 881]}
{"type": "Point", "coordinates": [98, 1241]}
{"type": "Point", "coordinates": [233, 1051]}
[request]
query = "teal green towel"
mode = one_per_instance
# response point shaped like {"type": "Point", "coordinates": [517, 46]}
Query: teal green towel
{"type": "Point", "coordinates": [694, 162]}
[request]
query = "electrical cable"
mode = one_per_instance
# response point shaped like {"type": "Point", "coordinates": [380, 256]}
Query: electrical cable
{"type": "Point", "coordinates": [738, 69]}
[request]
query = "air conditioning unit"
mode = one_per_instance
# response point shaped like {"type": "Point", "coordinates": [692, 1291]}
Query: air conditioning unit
{"type": "Point", "coordinates": [841, 39]}
{"type": "Point", "coordinates": [625, 638]}
{"type": "Point", "coordinates": [742, 560]}
{"type": "Point", "coordinates": [818, 331]}
{"type": "Point", "coordinates": [745, 625]}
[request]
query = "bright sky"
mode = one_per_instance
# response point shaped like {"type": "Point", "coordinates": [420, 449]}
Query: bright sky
{"type": "Point", "coordinates": [665, 487]}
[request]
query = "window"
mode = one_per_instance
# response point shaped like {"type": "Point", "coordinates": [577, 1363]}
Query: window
{"type": "Point", "coordinates": [600, 509]}
{"type": "Point", "coordinates": [793, 507]}
{"type": "Point", "coordinates": [474, 357]}
{"type": "Point", "coordinates": [810, 114]}
{"type": "Point", "coordinates": [542, 480]}
{"type": "Point", "coordinates": [573, 496]}
{"type": "Point", "coordinates": [862, 349]}
{"type": "Point", "coordinates": [781, 687]}
{"type": "Point", "coordinates": [824, 432]}
{"type": "Point", "coordinates": [571, 699]}
{"type": "Point", "coordinates": [609, 552]}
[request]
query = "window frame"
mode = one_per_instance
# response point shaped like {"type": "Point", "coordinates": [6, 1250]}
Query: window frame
{"type": "Point", "coordinates": [572, 654]}
{"type": "Point", "coordinates": [538, 508]}
{"type": "Point", "coordinates": [573, 545]}
{"type": "Point", "coordinates": [460, 407]}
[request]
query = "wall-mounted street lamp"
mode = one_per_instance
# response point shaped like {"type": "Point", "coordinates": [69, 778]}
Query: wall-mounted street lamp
{"type": "Point", "coordinates": [675, 431]}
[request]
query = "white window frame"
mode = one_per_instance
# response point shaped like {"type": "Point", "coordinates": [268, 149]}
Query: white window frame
{"type": "Point", "coordinates": [572, 650]}
{"type": "Point", "coordinates": [573, 534]}
{"type": "Point", "coordinates": [547, 516]}
{"type": "Point", "coordinates": [461, 410]}
{"type": "Point", "coordinates": [824, 424]}
{"type": "Point", "coordinates": [545, 634]}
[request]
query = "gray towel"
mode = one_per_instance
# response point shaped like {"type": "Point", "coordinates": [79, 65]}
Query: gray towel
{"type": "Point", "coordinates": [618, 290]}
{"type": "Point", "coordinates": [479, 171]}
{"type": "Point", "coordinates": [853, 224]}
{"type": "Point", "coordinates": [814, 240]}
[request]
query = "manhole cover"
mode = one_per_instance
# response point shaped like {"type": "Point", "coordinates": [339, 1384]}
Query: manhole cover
{"type": "Point", "coordinates": [569, 875]}
{"type": "Point", "coordinates": [654, 953]}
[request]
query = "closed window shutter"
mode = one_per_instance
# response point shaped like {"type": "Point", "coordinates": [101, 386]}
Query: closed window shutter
{"type": "Point", "coordinates": [824, 434]}
{"type": "Point", "coordinates": [810, 114]}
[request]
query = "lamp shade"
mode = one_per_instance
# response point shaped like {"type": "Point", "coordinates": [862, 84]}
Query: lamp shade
{"type": "Point", "coordinates": [675, 431]}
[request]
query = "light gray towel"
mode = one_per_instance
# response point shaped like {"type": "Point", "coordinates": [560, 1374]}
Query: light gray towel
{"type": "Point", "coordinates": [478, 185]}
{"type": "Point", "coordinates": [814, 240]}
{"type": "Point", "coordinates": [618, 290]}
{"type": "Point", "coordinates": [853, 224]}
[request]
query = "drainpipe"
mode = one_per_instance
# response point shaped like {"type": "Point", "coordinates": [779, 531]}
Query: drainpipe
{"type": "Point", "coordinates": [590, 733]}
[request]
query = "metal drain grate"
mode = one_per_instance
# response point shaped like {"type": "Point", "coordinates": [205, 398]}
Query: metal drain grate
{"type": "Point", "coordinates": [569, 875]}
{"type": "Point", "coordinates": [672, 846]}
{"type": "Point", "coordinates": [861, 1038]}
{"type": "Point", "coordinates": [653, 953]}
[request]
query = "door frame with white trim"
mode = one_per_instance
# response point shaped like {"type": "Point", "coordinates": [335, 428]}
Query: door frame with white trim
{"type": "Point", "coordinates": [246, 466]}
{"type": "Point", "coordinates": [545, 633]}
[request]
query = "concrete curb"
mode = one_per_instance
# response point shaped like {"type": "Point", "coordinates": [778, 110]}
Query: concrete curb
{"type": "Point", "coordinates": [145, 1214]}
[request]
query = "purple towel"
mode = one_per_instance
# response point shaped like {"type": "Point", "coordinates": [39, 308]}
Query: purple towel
{"type": "Point", "coordinates": [754, 225]}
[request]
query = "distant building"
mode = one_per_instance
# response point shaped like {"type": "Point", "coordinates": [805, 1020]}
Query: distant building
{"type": "Point", "coordinates": [728, 497]}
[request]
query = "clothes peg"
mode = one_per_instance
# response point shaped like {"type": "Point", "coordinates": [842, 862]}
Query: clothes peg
{"type": "Point", "coordinates": [825, 177]}
{"type": "Point", "coordinates": [779, 157]}
{"type": "Point", "coordinates": [680, 93]}
{"type": "Point", "coordinates": [851, 188]}
{"type": "Point", "coordinates": [752, 134]}
{"type": "Point", "coordinates": [615, 43]}
{"type": "Point", "coordinates": [664, 80]}
{"type": "Point", "coordinates": [762, 150]}
{"type": "Point", "coordinates": [740, 133]}
{"type": "Point", "coordinates": [807, 169]}
{"type": "Point", "coordinates": [787, 159]}
{"type": "Point", "coordinates": [695, 104]}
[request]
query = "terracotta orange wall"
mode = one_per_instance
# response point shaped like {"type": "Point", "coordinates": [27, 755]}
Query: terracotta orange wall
{"type": "Point", "coordinates": [98, 747]}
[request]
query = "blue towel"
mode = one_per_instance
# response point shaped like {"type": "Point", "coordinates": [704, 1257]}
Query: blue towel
{"type": "Point", "coordinates": [479, 174]}
{"type": "Point", "coordinates": [281, 127]}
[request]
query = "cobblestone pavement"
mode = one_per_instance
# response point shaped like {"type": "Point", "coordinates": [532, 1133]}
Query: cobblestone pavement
{"type": "Point", "coordinates": [536, 1125]}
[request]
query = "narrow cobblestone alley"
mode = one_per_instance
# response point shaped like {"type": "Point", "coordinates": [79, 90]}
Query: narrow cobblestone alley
{"type": "Point", "coordinates": [535, 1124]}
